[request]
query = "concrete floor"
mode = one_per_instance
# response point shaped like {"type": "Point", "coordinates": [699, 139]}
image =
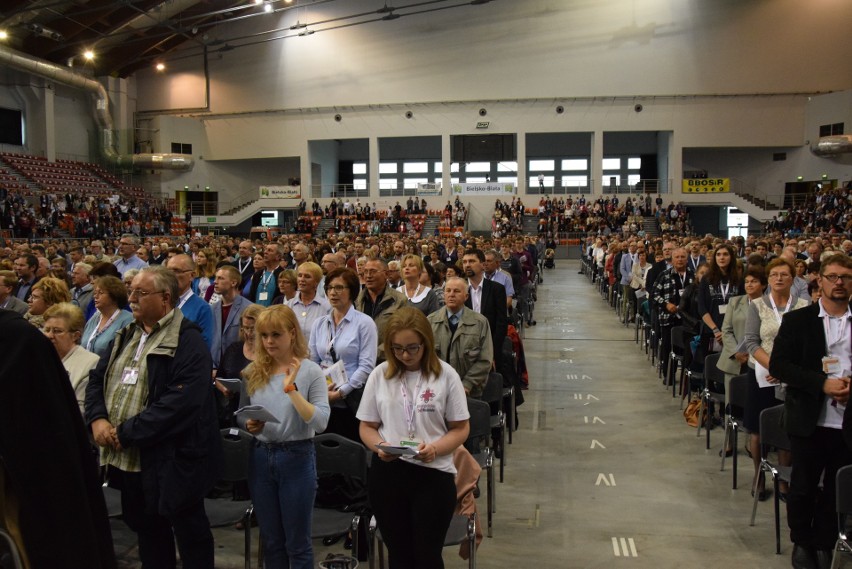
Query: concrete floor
{"type": "Point", "coordinates": [603, 459]}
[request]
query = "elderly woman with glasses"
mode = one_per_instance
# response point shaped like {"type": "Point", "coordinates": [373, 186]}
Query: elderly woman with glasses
{"type": "Point", "coordinates": [762, 324]}
{"type": "Point", "coordinates": [345, 344]}
{"type": "Point", "coordinates": [109, 297]}
{"type": "Point", "coordinates": [63, 326]}
{"type": "Point", "coordinates": [413, 416]}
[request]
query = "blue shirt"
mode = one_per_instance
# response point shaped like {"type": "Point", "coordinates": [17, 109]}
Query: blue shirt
{"type": "Point", "coordinates": [100, 344]}
{"type": "Point", "coordinates": [505, 280]}
{"type": "Point", "coordinates": [356, 343]}
{"type": "Point", "coordinates": [268, 285]}
{"type": "Point", "coordinates": [133, 262]}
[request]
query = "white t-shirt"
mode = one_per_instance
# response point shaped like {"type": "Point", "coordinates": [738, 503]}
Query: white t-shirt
{"type": "Point", "coordinates": [438, 400]}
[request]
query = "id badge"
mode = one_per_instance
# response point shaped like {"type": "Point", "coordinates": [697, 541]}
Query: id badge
{"type": "Point", "coordinates": [723, 308]}
{"type": "Point", "coordinates": [680, 292]}
{"type": "Point", "coordinates": [407, 443]}
{"type": "Point", "coordinates": [831, 366]}
{"type": "Point", "coordinates": [129, 376]}
{"type": "Point", "coordinates": [263, 296]}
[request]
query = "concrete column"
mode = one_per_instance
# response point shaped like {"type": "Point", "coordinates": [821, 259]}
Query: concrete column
{"type": "Point", "coordinates": [446, 159]}
{"type": "Point", "coordinates": [49, 106]}
{"type": "Point", "coordinates": [522, 164]}
{"type": "Point", "coordinates": [596, 163]}
{"type": "Point", "coordinates": [374, 169]}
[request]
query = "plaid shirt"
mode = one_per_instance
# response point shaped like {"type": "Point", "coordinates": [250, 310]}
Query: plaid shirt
{"type": "Point", "coordinates": [668, 288]}
{"type": "Point", "coordinates": [128, 400]}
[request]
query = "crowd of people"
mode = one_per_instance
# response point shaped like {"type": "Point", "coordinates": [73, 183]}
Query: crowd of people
{"type": "Point", "coordinates": [827, 210]}
{"type": "Point", "coordinates": [328, 335]}
{"type": "Point", "coordinates": [776, 311]}
{"type": "Point", "coordinates": [610, 215]}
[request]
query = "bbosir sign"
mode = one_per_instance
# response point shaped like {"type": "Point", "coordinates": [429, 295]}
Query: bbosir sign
{"type": "Point", "coordinates": [707, 186]}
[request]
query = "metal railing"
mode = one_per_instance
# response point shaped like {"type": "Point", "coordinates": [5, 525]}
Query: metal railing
{"type": "Point", "coordinates": [661, 186]}
{"type": "Point", "coordinates": [339, 191]}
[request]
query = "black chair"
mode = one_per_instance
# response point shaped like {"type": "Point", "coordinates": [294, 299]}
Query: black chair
{"type": "Point", "coordinates": [772, 435]}
{"type": "Point", "coordinates": [733, 420]}
{"type": "Point", "coordinates": [462, 528]}
{"type": "Point", "coordinates": [339, 456]}
{"type": "Point", "coordinates": [510, 399]}
{"type": "Point", "coordinates": [493, 395]}
{"type": "Point", "coordinates": [712, 389]}
{"type": "Point", "coordinates": [236, 447]}
{"type": "Point", "coordinates": [843, 489]}
{"type": "Point", "coordinates": [676, 359]}
{"type": "Point", "coordinates": [478, 443]}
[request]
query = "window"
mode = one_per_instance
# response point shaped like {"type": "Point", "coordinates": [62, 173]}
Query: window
{"type": "Point", "coordinates": [508, 180]}
{"type": "Point", "coordinates": [478, 167]}
{"type": "Point", "coordinates": [831, 129]}
{"type": "Point", "coordinates": [438, 167]}
{"type": "Point", "coordinates": [575, 164]}
{"type": "Point", "coordinates": [634, 163]}
{"type": "Point", "coordinates": [388, 167]}
{"type": "Point", "coordinates": [411, 183]}
{"type": "Point", "coordinates": [359, 184]}
{"type": "Point", "coordinates": [359, 168]}
{"type": "Point", "coordinates": [548, 181]}
{"type": "Point", "coordinates": [476, 179]}
{"type": "Point", "coordinates": [575, 181]}
{"type": "Point", "coordinates": [181, 148]}
{"type": "Point", "coordinates": [611, 164]}
{"type": "Point", "coordinates": [545, 165]}
{"type": "Point", "coordinates": [415, 167]}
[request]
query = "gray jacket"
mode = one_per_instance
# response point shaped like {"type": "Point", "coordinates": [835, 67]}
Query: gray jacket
{"type": "Point", "coordinates": [468, 351]}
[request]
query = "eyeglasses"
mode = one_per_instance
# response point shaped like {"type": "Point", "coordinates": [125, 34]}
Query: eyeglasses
{"type": "Point", "coordinates": [783, 276]}
{"type": "Point", "coordinates": [371, 272]}
{"type": "Point", "coordinates": [337, 288]}
{"type": "Point", "coordinates": [833, 278]}
{"type": "Point", "coordinates": [411, 350]}
{"type": "Point", "coordinates": [97, 292]}
{"type": "Point", "coordinates": [54, 331]}
{"type": "Point", "coordinates": [142, 293]}
{"type": "Point", "coordinates": [247, 329]}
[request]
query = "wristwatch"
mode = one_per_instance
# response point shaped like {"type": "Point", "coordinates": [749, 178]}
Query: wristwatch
{"type": "Point", "coordinates": [291, 387]}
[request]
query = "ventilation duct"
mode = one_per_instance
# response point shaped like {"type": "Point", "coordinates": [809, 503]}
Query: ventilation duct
{"type": "Point", "coordinates": [833, 145]}
{"type": "Point", "coordinates": [106, 140]}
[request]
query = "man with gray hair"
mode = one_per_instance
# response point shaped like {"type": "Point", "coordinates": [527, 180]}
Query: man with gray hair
{"type": "Point", "coordinates": [264, 284]}
{"type": "Point", "coordinates": [463, 337]}
{"type": "Point", "coordinates": [81, 293]}
{"type": "Point", "coordinates": [127, 247]}
{"type": "Point", "coordinates": [150, 407]}
{"type": "Point", "coordinates": [190, 304]}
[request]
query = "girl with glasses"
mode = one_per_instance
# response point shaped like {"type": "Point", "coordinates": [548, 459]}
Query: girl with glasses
{"type": "Point", "coordinates": [417, 402]}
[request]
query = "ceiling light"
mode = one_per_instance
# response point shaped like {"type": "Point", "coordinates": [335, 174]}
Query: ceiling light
{"type": "Point", "coordinates": [161, 66]}
{"type": "Point", "coordinates": [267, 7]}
{"type": "Point", "coordinates": [89, 55]}
{"type": "Point", "coordinates": [306, 32]}
{"type": "Point", "coordinates": [258, 2]}
{"type": "Point", "coordinates": [4, 35]}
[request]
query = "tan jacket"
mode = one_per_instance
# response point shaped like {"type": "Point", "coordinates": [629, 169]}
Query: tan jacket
{"type": "Point", "coordinates": [470, 352]}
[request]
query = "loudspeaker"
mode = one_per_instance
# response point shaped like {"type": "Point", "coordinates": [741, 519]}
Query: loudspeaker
{"type": "Point", "coordinates": [483, 112]}
{"type": "Point", "coordinates": [560, 109]}
{"type": "Point", "coordinates": [338, 118]}
{"type": "Point", "coordinates": [638, 108]}
{"type": "Point", "coordinates": [408, 114]}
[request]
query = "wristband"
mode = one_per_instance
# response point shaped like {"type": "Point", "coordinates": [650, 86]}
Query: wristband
{"type": "Point", "coordinates": [291, 387]}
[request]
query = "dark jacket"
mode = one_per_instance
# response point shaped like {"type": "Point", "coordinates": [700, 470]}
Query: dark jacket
{"type": "Point", "coordinates": [797, 361]}
{"type": "Point", "coordinates": [63, 518]}
{"type": "Point", "coordinates": [493, 307]}
{"type": "Point", "coordinates": [177, 431]}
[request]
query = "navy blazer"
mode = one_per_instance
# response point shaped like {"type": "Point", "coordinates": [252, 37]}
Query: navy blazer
{"type": "Point", "coordinates": [493, 307]}
{"type": "Point", "coordinates": [230, 332]}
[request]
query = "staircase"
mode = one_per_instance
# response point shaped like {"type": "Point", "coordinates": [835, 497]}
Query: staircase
{"type": "Point", "coordinates": [430, 225]}
{"type": "Point", "coordinates": [238, 208]}
{"type": "Point", "coordinates": [323, 226]}
{"type": "Point", "coordinates": [649, 225]}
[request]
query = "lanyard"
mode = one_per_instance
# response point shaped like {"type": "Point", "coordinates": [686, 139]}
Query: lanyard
{"type": "Point", "coordinates": [264, 280]}
{"type": "Point", "coordinates": [786, 310]}
{"type": "Point", "coordinates": [331, 351]}
{"type": "Point", "coordinates": [98, 331]}
{"type": "Point", "coordinates": [725, 288]}
{"type": "Point", "coordinates": [242, 267]}
{"type": "Point", "coordinates": [142, 340]}
{"type": "Point", "coordinates": [408, 405]}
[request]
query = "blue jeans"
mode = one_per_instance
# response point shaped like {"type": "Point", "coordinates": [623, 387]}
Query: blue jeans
{"type": "Point", "coordinates": [283, 484]}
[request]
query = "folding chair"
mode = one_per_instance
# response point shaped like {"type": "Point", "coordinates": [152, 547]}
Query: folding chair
{"type": "Point", "coordinates": [712, 389]}
{"type": "Point", "coordinates": [236, 447]}
{"type": "Point", "coordinates": [478, 443]}
{"type": "Point", "coordinates": [338, 455]}
{"type": "Point", "coordinates": [493, 395]}
{"type": "Point", "coordinates": [462, 528]}
{"type": "Point", "coordinates": [676, 358]}
{"type": "Point", "coordinates": [843, 488]}
{"type": "Point", "coordinates": [772, 435]}
{"type": "Point", "coordinates": [733, 419]}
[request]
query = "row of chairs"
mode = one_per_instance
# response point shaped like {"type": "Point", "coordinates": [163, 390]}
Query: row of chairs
{"type": "Point", "coordinates": [708, 385]}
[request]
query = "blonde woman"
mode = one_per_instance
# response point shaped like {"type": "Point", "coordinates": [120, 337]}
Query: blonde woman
{"type": "Point", "coordinates": [413, 400]}
{"type": "Point", "coordinates": [45, 293]}
{"type": "Point", "coordinates": [282, 472]}
{"type": "Point", "coordinates": [63, 326]}
{"type": "Point", "coordinates": [420, 296]}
